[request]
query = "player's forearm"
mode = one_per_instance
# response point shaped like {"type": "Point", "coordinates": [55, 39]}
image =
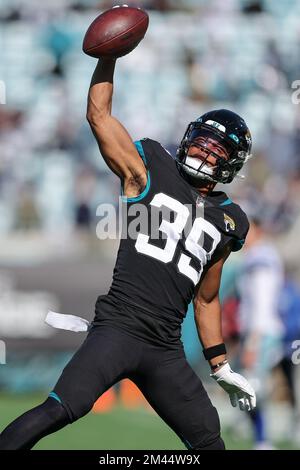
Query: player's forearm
{"type": "Point", "coordinates": [208, 319]}
{"type": "Point", "coordinates": [101, 91]}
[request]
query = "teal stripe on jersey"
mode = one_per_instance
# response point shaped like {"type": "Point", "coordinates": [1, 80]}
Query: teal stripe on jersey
{"type": "Point", "coordinates": [226, 203]}
{"type": "Point", "coordinates": [55, 396]}
{"type": "Point", "coordinates": [139, 147]}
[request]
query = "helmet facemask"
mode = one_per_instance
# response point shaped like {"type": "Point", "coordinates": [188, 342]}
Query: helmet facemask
{"type": "Point", "coordinates": [197, 170]}
{"type": "Point", "coordinates": [208, 164]}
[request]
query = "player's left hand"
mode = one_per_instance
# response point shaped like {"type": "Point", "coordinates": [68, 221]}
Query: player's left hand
{"type": "Point", "coordinates": [238, 388]}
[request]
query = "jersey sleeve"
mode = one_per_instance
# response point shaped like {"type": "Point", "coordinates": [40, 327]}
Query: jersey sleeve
{"type": "Point", "coordinates": [232, 223]}
{"type": "Point", "coordinates": [241, 227]}
{"type": "Point", "coordinates": [152, 152]}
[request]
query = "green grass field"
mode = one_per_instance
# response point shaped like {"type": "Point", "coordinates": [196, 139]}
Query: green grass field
{"type": "Point", "coordinates": [119, 429]}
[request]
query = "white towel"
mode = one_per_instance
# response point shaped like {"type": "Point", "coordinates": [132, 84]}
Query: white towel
{"type": "Point", "coordinates": [67, 322]}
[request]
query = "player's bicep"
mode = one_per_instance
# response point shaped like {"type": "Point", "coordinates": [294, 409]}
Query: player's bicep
{"type": "Point", "coordinates": [117, 148]}
{"type": "Point", "coordinates": [208, 288]}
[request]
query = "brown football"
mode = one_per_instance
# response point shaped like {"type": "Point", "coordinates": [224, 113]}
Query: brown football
{"type": "Point", "coordinates": [116, 32]}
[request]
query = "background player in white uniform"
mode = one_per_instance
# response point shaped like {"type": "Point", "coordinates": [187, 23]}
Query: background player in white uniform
{"type": "Point", "coordinates": [260, 286]}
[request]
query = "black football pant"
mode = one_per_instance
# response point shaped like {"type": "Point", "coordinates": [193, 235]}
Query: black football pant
{"type": "Point", "coordinates": [107, 356]}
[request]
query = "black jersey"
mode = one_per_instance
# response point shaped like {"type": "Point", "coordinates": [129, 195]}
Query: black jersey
{"type": "Point", "coordinates": [158, 267]}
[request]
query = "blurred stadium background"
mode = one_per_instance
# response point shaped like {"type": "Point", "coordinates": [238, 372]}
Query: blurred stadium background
{"type": "Point", "coordinates": [197, 55]}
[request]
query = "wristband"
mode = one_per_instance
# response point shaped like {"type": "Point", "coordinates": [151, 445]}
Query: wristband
{"type": "Point", "coordinates": [214, 351]}
{"type": "Point", "coordinates": [220, 364]}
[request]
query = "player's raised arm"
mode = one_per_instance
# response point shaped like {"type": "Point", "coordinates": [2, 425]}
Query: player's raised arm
{"type": "Point", "coordinates": [115, 143]}
{"type": "Point", "coordinates": [208, 318]}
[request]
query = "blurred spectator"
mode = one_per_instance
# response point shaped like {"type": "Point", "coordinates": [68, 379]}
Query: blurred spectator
{"type": "Point", "coordinates": [27, 217]}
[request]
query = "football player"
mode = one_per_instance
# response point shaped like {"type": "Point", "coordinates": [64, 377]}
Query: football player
{"type": "Point", "coordinates": [261, 327]}
{"type": "Point", "coordinates": [137, 325]}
